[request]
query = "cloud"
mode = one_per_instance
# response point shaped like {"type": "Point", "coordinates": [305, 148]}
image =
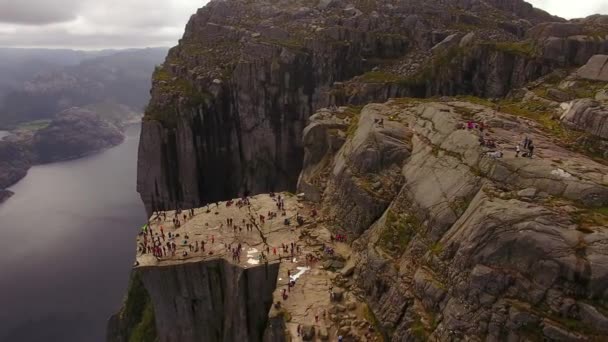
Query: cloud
{"type": "Point", "coordinates": [94, 24]}
{"type": "Point", "coordinates": [36, 12]}
{"type": "Point", "coordinates": [572, 9]}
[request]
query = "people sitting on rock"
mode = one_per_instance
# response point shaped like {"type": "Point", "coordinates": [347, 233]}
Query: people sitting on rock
{"type": "Point", "coordinates": [530, 151]}
{"type": "Point", "coordinates": [495, 154]}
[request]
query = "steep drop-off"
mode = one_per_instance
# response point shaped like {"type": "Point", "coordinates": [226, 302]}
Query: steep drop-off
{"type": "Point", "coordinates": [455, 236]}
{"type": "Point", "coordinates": [199, 301]}
{"type": "Point", "coordinates": [231, 100]}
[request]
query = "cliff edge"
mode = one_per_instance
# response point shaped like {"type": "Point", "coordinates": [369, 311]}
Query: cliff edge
{"type": "Point", "coordinates": [231, 100]}
{"type": "Point", "coordinates": [449, 159]}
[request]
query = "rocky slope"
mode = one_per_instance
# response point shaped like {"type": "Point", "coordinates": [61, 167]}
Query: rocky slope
{"type": "Point", "coordinates": [447, 241]}
{"type": "Point", "coordinates": [365, 108]}
{"type": "Point", "coordinates": [14, 163]}
{"type": "Point", "coordinates": [456, 244]}
{"type": "Point", "coordinates": [231, 100]}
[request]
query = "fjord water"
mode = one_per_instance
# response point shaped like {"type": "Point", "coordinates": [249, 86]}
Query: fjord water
{"type": "Point", "coordinates": [67, 245]}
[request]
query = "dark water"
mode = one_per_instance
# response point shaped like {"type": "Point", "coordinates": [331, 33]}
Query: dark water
{"type": "Point", "coordinates": [66, 246]}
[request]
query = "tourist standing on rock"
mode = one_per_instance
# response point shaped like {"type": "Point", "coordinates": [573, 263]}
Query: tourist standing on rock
{"type": "Point", "coordinates": [517, 151]}
{"type": "Point", "coordinates": [531, 149]}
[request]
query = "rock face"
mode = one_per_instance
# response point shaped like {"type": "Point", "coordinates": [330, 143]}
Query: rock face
{"type": "Point", "coordinates": [74, 133]}
{"type": "Point", "coordinates": [14, 163]}
{"type": "Point", "coordinates": [588, 115]}
{"type": "Point", "coordinates": [210, 301]}
{"type": "Point", "coordinates": [454, 235]}
{"type": "Point", "coordinates": [219, 127]}
{"type": "Point", "coordinates": [596, 68]}
{"type": "Point", "coordinates": [469, 245]}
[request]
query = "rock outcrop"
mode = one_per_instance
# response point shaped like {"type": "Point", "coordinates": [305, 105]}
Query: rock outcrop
{"type": "Point", "coordinates": [596, 69]}
{"type": "Point", "coordinates": [456, 228]}
{"type": "Point", "coordinates": [217, 127]}
{"type": "Point", "coordinates": [72, 134]}
{"type": "Point", "coordinates": [210, 301]}
{"type": "Point", "coordinates": [587, 115]}
{"type": "Point", "coordinates": [473, 245]}
{"type": "Point", "coordinates": [15, 161]}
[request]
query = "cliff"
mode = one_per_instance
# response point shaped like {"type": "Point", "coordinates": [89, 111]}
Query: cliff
{"type": "Point", "coordinates": [455, 242]}
{"type": "Point", "coordinates": [398, 122]}
{"type": "Point", "coordinates": [231, 100]}
{"type": "Point", "coordinates": [407, 229]}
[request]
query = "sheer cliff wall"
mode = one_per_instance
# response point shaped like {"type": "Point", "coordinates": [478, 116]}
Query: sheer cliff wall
{"type": "Point", "coordinates": [204, 301]}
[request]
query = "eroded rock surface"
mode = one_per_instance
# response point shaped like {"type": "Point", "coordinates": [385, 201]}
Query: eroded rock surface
{"type": "Point", "coordinates": [596, 68]}
{"type": "Point", "coordinates": [473, 246]}
{"type": "Point", "coordinates": [231, 100]}
{"type": "Point", "coordinates": [452, 234]}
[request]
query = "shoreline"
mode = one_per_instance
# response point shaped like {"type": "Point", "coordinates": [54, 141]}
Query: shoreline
{"type": "Point", "coordinates": [6, 193]}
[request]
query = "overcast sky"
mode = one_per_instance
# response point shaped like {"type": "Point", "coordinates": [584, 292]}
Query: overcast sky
{"type": "Point", "coordinates": [94, 24]}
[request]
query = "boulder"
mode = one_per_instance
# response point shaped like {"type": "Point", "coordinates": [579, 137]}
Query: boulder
{"type": "Point", "coordinates": [587, 115]}
{"type": "Point", "coordinates": [308, 332]}
{"type": "Point", "coordinates": [529, 193]}
{"type": "Point", "coordinates": [337, 296]}
{"type": "Point", "coordinates": [449, 42]}
{"type": "Point", "coordinates": [593, 317]}
{"type": "Point", "coordinates": [555, 333]}
{"type": "Point", "coordinates": [602, 95]}
{"type": "Point", "coordinates": [323, 333]}
{"type": "Point", "coordinates": [596, 69]}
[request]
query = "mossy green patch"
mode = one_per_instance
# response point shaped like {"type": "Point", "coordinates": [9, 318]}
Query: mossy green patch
{"type": "Point", "coordinates": [523, 48]}
{"type": "Point", "coordinates": [371, 317]}
{"type": "Point", "coordinates": [419, 330]}
{"type": "Point", "coordinates": [166, 115]}
{"type": "Point", "coordinates": [588, 218]}
{"type": "Point", "coordinates": [137, 314]}
{"type": "Point", "coordinates": [380, 77]}
{"type": "Point", "coordinates": [353, 112]}
{"type": "Point", "coordinates": [145, 330]}
{"type": "Point", "coordinates": [34, 125]}
{"type": "Point", "coordinates": [399, 229]}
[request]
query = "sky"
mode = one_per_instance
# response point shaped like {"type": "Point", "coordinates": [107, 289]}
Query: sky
{"type": "Point", "coordinates": [98, 24]}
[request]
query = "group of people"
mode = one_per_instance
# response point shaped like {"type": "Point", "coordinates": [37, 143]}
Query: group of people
{"type": "Point", "coordinates": [236, 252]}
{"type": "Point", "coordinates": [339, 238]}
{"type": "Point", "coordinates": [528, 147]}
{"type": "Point", "coordinates": [525, 148]}
{"type": "Point", "coordinates": [152, 244]}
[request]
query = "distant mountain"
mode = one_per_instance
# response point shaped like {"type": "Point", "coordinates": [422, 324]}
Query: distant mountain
{"type": "Point", "coordinates": [19, 65]}
{"type": "Point", "coordinates": [41, 83]}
